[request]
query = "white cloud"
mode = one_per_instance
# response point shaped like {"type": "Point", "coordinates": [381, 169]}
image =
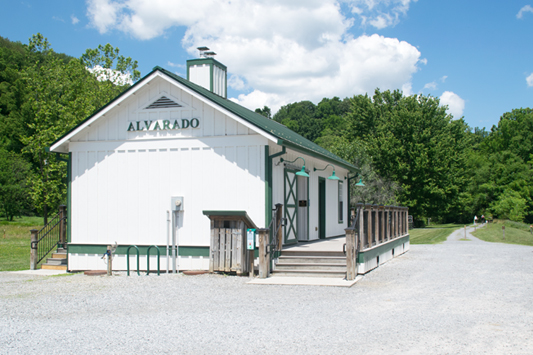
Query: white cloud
{"type": "Point", "coordinates": [455, 103]}
{"type": "Point", "coordinates": [443, 78]}
{"type": "Point", "coordinates": [379, 13]}
{"type": "Point", "coordinates": [112, 75]}
{"type": "Point", "coordinates": [284, 51]}
{"type": "Point", "coordinates": [431, 86]}
{"type": "Point", "coordinates": [529, 80]}
{"type": "Point", "coordinates": [74, 19]}
{"type": "Point", "coordinates": [526, 8]}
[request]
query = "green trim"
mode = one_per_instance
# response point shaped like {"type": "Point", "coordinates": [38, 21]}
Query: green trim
{"type": "Point", "coordinates": [322, 206]}
{"type": "Point", "coordinates": [121, 249]}
{"type": "Point", "coordinates": [268, 187]}
{"type": "Point", "coordinates": [330, 158]}
{"type": "Point", "coordinates": [340, 183]}
{"type": "Point", "coordinates": [370, 254]}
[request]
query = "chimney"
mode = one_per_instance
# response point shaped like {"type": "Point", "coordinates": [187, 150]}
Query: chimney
{"type": "Point", "coordinates": [206, 71]}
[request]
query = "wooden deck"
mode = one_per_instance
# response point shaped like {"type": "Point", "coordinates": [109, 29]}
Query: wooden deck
{"type": "Point", "coordinates": [325, 245]}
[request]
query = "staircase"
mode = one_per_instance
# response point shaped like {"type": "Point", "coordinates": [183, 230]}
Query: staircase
{"type": "Point", "coordinates": [58, 261]}
{"type": "Point", "coordinates": [311, 263]}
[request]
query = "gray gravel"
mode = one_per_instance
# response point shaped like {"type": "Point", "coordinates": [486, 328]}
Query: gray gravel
{"type": "Point", "coordinates": [459, 297]}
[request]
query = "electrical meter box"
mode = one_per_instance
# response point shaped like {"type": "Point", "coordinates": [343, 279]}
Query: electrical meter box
{"type": "Point", "coordinates": [176, 203]}
{"type": "Point", "coordinates": [250, 239]}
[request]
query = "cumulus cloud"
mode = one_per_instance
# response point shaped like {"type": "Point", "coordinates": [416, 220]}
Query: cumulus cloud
{"type": "Point", "coordinates": [285, 51]}
{"type": "Point", "coordinates": [526, 8]}
{"type": "Point", "coordinates": [379, 13]}
{"type": "Point", "coordinates": [455, 103]}
{"type": "Point", "coordinates": [529, 80]}
{"type": "Point", "coordinates": [74, 19]}
{"type": "Point", "coordinates": [443, 78]}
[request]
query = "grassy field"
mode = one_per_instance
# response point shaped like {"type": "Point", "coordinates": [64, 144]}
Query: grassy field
{"type": "Point", "coordinates": [15, 242]}
{"type": "Point", "coordinates": [436, 233]}
{"type": "Point", "coordinates": [515, 233]}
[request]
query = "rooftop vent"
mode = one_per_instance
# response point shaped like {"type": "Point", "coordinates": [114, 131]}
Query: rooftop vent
{"type": "Point", "coordinates": [204, 52]}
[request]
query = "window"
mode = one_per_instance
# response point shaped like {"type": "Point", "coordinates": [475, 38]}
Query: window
{"type": "Point", "coordinates": [341, 202]}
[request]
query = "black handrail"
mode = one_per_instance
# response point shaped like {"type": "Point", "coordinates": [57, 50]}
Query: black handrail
{"type": "Point", "coordinates": [49, 237]}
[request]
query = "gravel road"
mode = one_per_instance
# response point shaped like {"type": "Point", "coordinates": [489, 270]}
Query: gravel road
{"type": "Point", "coordinates": [459, 297]}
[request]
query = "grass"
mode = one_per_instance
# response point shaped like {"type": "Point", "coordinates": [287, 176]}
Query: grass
{"type": "Point", "coordinates": [436, 233]}
{"type": "Point", "coordinates": [15, 242]}
{"type": "Point", "coordinates": [515, 233]}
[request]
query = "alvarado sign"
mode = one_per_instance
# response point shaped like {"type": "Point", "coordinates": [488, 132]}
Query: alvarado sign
{"type": "Point", "coordinates": [162, 125]}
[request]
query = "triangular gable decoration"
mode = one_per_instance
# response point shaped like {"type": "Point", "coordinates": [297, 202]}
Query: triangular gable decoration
{"type": "Point", "coordinates": [163, 102]}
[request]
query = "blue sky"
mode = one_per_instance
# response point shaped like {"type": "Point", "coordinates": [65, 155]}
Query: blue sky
{"type": "Point", "coordinates": [474, 55]}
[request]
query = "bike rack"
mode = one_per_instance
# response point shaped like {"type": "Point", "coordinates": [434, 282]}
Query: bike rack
{"type": "Point", "coordinates": [128, 259]}
{"type": "Point", "coordinates": [148, 259]}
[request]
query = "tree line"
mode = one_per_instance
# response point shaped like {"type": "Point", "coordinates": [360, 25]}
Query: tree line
{"type": "Point", "coordinates": [410, 152]}
{"type": "Point", "coordinates": [44, 94]}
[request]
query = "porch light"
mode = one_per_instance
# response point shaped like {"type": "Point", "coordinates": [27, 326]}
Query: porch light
{"type": "Point", "coordinates": [333, 176]}
{"type": "Point", "coordinates": [360, 183]}
{"type": "Point", "coordinates": [301, 172]}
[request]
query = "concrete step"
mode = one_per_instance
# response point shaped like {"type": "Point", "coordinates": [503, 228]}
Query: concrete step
{"type": "Point", "coordinates": [298, 266]}
{"type": "Point", "coordinates": [309, 273]}
{"type": "Point", "coordinates": [313, 259]}
{"type": "Point", "coordinates": [297, 253]}
{"type": "Point", "coordinates": [54, 267]}
{"type": "Point", "coordinates": [55, 261]}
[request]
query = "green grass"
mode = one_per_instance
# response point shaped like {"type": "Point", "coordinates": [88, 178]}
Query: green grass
{"type": "Point", "coordinates": [15, 242]}
{"type": "Point", "coordinates": [436, 233]}
{"type": "Point", "coordinates": [515, 233]}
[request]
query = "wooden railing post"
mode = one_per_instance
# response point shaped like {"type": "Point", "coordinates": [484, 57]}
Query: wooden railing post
{"type": "Point", "coordinates": [33, 252]}
{"type": "Point", "coordinates": [263, 253]}
{"type": "Point", "coordinates": [361, 225]}
{"type": "Point", "coordinates": [351, 247]}
{"type": "Point", "coordinates": [62, 225]}
{"type": "Point", "coordinates": [279, 214]}
{"type": "Point", "coordinates": [376, 223]}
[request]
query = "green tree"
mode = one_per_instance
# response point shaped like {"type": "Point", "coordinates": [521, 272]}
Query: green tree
{"type": "Point", "coordinates": [300, 117]}
{"type": "Point", "coordinates": [265, 111]}
{"type": "Point", "coordinates": [14, 190]}
{"type": "Point", "coordinates": [59, 97]}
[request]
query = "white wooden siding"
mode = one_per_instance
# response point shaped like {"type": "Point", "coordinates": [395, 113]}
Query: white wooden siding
{"type": "Point", "coordinates": [333, 227]}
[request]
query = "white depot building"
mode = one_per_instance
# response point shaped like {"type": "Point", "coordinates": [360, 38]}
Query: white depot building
{"type": "Point", "coordinates": [148, 164]}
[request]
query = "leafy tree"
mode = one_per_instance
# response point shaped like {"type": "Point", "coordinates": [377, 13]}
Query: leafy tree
{"type": "Point", "coordinates": [14, 173]}
{"type": "Point", "coordinates": [107, 63]}
{"type": "Point", "coordinates": [300, 117]}
{"type": "Point", "coordinates": [265, 111]}
{"type": "Point", "coordinates": [59, 97]}
{"type": "Point", "coordinates": [510, 205]}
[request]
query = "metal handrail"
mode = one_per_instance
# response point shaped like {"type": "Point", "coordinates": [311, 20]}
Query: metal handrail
{"type": "Point", "coordinates": [273, 244]}
{"type": "Point", "coordinates": [148, 259]}
{"type": "Point", "coordinates": [48, 237]}
{"type": "Point", "coordinates": [128, 259]}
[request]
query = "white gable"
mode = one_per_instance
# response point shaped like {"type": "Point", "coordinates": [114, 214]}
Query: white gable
{"type": "Point", "coordinates": [159, 108]}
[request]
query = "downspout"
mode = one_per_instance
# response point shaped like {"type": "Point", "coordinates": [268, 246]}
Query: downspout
{"type": "Point", "coordinates": [268, 172]}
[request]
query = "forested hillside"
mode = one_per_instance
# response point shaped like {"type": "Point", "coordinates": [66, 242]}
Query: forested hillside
{"type": "Point", "coordinates": [44, 94]}
{"type": "Point", "coordinates": [412, 153]}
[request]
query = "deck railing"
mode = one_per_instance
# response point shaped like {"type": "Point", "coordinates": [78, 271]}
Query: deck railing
{"type": "Point", "coordinates": [373, 225]}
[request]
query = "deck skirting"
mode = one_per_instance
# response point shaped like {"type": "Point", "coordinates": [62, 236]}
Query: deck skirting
{"type": "Point", "coordinates": [371, 258]}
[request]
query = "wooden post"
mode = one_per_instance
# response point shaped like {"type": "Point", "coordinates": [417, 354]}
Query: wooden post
{"type": "Point", "coordinates": [251, 256]}
{"type": "Point", "coordinates": [279, 214]}
{"type": "Point", "coordinates": [33, 252]}
{"type": "Point", "coordinates": [110, 261]}
{"type": "Point", "coordinates": [368, 208]}
{"type": "Point", "coordinates": [62, 226]}
{"type": "Point", "coordinates": [376, 223]}
{"type": "Point", "coordinates": [503, 229]}
{"type": "Point", "coordinates": [361, 225]}
{"type": "Point", "coordinates": [263, 253]}
{"type": "Point", "coordinates": [351, 247]}
{"type": "Point", "coordinates": [406, 220]}
{"type": "Point", "coordinates": [382, 227]}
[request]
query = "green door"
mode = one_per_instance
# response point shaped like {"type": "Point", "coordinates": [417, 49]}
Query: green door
{"type": "Point", "coordinates": [291, 206]}
{"type": "Point", "coordinates": [321, 208]}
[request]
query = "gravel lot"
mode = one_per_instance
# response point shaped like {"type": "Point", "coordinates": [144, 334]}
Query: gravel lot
{"type": "Point", "coordinates": [459, 297]}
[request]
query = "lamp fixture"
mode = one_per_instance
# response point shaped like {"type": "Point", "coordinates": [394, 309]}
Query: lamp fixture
{"type": "Point", "coordinates": [360, 183]}
{"type": "Point", "coordinates": [333, 176]}
{"type": "Point", "coordinates": [301, 172]}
